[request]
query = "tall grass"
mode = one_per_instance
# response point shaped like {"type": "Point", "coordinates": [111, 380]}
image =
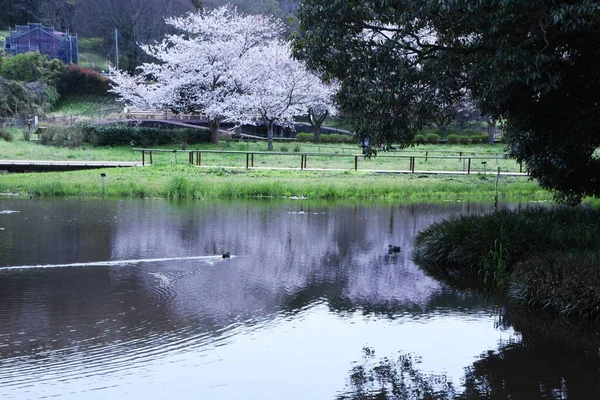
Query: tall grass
{"type": "Point", "coordinates": [547, 257]}
{"type": "Point", "coordinates": [178, 181]}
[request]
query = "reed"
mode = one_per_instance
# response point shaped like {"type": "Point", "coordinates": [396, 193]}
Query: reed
{"type": "Point", "coordinates": [544, 257]}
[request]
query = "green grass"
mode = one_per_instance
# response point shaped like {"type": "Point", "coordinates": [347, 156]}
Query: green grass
{"type": "Point", "coordinates": [92, 54]}
{"type": "Point", "coordinates": [398, 160]}
{"type": "Point", "coordinates": [187, 181]}
{"type": "Point", "coordinates": [544, 257]}
{"type": "Point", "coordinates": [87, 105]}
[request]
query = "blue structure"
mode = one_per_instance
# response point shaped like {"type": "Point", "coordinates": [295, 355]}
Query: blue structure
{"type": "Point", "coordinates": [46, 40]}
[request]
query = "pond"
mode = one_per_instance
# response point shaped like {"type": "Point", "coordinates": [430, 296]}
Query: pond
{"type": "Point", "coordinates": [122, 299]}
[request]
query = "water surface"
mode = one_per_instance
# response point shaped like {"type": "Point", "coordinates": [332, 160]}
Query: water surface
{"type": "Point", "coordinates": [131, 299]}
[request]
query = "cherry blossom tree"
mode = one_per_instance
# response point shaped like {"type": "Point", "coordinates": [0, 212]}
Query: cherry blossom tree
{"type": "Point", "coordinates": [195, 67]}
{"type": "Point", "coordinates": [275, 88]}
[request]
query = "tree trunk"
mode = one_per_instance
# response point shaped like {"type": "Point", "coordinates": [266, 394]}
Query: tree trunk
{"type": "Point", "coordinates": [214, 130]}
{"type": "Point", "coordinates": [269, 135]}
{"type": "Point", "coordinates": [491, 130]}
{"type": "Point", "coordinates": [317, 132]}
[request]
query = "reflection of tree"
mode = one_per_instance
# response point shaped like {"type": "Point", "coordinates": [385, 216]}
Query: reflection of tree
{"type": "Point", "coordinates": [555, 359]}
{"type": "Point", "coordinates": [395, 379]}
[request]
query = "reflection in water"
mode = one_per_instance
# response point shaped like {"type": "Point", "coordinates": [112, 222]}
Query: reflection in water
{"type": "Point", "coordinates": [144, 304]}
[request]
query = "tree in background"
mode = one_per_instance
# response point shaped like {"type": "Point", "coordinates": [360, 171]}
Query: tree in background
{"type": "Point", "coordinates": [533, 62]}
{"type": "Point", "coordinates": [195, 68]}
{"type": "Point", "coordinates": [275, 88]}
{"type": "Point", "coordinates": [137, 21]}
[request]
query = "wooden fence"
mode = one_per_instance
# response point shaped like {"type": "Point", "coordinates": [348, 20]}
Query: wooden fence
{"type": "Point", "coordinates": [195, 157]}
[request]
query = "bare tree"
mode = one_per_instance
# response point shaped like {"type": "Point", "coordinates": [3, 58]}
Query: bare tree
{"type": "Point", "coordinates": [57, 13]}
{"type": "Point", "coordinates": [137, 21]}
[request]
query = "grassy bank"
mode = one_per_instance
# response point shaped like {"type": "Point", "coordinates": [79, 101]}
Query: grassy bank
{"type": "Point", "coordinates": [186, 181]}
{"type": "Point", "coordinates": [286, 155]}
{"type": "Point", "coordinates": [541, 257]}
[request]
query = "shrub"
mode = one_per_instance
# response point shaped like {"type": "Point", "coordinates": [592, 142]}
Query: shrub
{"type": "Point", "coordinates": [419, 139]}
{"type": "Point", "coordinates": [284, 149]}
{"type": "Point", "coordinates": [432, 138]}
{"type": "Point", "coordinates": [32, 67]}
{"type": "Point", "coordinates": [16, 100]}
{"type": "Point", "coordinates": [305, 137]}
{"type": "Point", "coordinates": [463, 140]}
{"type": "Point", "coordinates": [6, 135]}
{"type": "Point", "coordinates": [564, 281]}
{"type": "Point", "coordinates": [79, 81]}
{"type": "Point", "coordinates": [452, 138]}
{"type": "Point", "coordinates": [297, 148]}
{"type": "Point", "coordinates": [479, 139]}
{"type": "Point", "coordinates": [125, 135]}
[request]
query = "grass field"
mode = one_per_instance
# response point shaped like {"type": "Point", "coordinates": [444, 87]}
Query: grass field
{"type": "Point", "coordinates": [286, 155]}
{"type": "Point", "coordinates": [186, 181]}
{"type": "Point", "coordinates": [92, 54]}
{"type": "Point", "coordinates": [85, 106]}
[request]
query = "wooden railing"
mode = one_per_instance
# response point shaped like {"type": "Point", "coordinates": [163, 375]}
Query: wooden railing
{"type": "Point", "coordinates": [194, 157]}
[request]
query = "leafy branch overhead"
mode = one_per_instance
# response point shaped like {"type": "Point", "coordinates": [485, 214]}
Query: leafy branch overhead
{"type": "Point", "coordinates": [534, 63]}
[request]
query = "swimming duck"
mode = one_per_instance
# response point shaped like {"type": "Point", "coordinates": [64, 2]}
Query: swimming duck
{"type": "Point", "coordinates": [394, 249]}
{"type": "Point", "coordinates": [226, 255]}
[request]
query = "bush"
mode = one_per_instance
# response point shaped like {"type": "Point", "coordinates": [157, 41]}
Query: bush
{"type": "Point", "coordinates": [463, 140]}
{"type": "Point", "coordinates": [452, 138]}
{"type": "Point", "coordinates": [470, 246]}
{"type": "Point", "coordinates": [305, 137]}
{"type": "Point", "coordinates": [32, 67]}
{"type": "Point", "coordinates": [479, 139]}
{"type": "Point", "coordinates": [419, 139]}
{"type": "Point", "coordinates": [297, 148]}
{"type": "Point", "coordinates": [125, 135]}
{"type": "Point", "coordinates": [6, 135]}
{"type": "Point", "coordinates": [77, 80]}
{"type": "Point", "coordinates": [567, 282]}
{"type": "Point", "coordinates": [17, 100]}
{"type": "Point", "coordinates": [284, 149]}
{"type": "Point", "coordinates": [432, 138]}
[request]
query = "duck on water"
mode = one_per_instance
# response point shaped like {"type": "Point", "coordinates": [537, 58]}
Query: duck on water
{"type": "Point", "coordinates": [394, 249]}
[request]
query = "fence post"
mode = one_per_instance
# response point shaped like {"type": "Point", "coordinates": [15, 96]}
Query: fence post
{"type": "Point", "coordinates": [469, 167]}
{"type": "Point", "coordinates": [252, 160]}
{"type": "Point", "coordinates": [191, 157]}
{"type": "Point", "coordinates": [151, 162]}
{"type": "Point", "coordinates": [143, 157]}
{"type": "Point", "coordinates": [301, 161]}
{"type": "Point", "coordinates": [356, 163]}
{"type": "Point", "coordinates": [426, 154]}
{"type": "Point", "coordinates": [247, 160]}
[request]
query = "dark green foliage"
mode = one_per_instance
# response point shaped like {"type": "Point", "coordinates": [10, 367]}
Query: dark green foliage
{"type": "Point", "coordinates": [32, 67]}
{"type": "Point", "coordinates": [532, 62]}
{"type": "Point", "coordinates": [6, 135]}
{"type": "Point", "coordinates": [567, 282]}
{"type": "Point", "coordinates": [305, 137]}
{"type": "Point", "coordinates": [77, 80]}
{"type": "Point", "coordinates": [420, 139]}
{"type": "Point", "coordinates": [432, 138]}
{"type": "Point", "coordinates": [16, 100]}
{"type": "Point", "coordinates": [513, 246]}
{"type": "Point", "coordinates": [326, 138]}
{"type": "Point", "coordinates": [464, 140]}
{"type": "Point", "coordinates": [478, 139]}
{"type": "Point", "coordinates": [452, 138]}
{"type": "Point", "coordinates": [123, 135]}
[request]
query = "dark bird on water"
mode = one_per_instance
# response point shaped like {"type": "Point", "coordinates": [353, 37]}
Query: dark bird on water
{"type": "Point", "coordinates": [226, 255]}
{"type": "Point", "coordinates": [394, 249]}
